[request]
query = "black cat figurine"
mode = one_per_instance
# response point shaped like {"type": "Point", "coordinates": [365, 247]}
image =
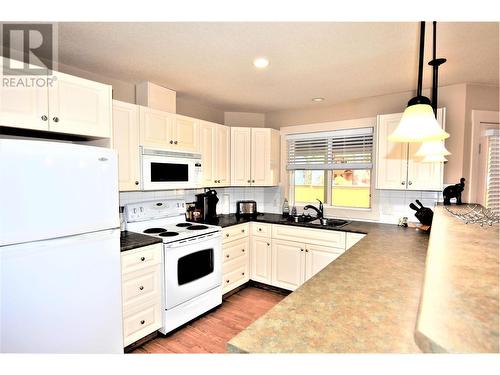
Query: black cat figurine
{"type": "Point", "coordinates": [454, 191]}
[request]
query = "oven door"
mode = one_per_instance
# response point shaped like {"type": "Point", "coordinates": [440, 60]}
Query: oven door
{"type": "Point", "coordinates": [192, 269]}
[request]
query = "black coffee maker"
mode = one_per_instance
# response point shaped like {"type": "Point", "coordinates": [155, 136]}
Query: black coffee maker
{"type": "Point", "coordinates": [207, 204]}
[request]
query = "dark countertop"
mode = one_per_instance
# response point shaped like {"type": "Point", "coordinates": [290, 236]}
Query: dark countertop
{"type": "Point", "coordinates": [366, 301]}
{"type": "Point", "coordinates": [231, 219]}
{"type": "Point", "coordinates": [132, 240]}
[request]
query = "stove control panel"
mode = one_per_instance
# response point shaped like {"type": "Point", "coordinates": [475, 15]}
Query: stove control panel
{"type": "Point", "coordinates": [157, 209]}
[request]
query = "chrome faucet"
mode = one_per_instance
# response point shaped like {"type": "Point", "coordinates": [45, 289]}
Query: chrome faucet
{"type": "Point", "coordinates": [319, 212]}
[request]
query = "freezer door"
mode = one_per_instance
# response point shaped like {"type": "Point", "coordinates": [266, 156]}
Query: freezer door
{"type": "Point", "coordinates": [54, 189]}
{"type": "Point", "coordinates": [62, 295]}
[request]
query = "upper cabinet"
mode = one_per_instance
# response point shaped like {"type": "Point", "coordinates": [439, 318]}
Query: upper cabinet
{"type": "Point", "coordinates": [70, 105]}
{"type": "Point", "coordinates": [254, 156]}
{"type": "Point", "coordinates": [165, 130]}
{"type": "Point", "coordinates": [215, 150]}
{"type": "Point", "coordinates": [397, 166]}
{"type": "Point", "coordinates": [126, 144]}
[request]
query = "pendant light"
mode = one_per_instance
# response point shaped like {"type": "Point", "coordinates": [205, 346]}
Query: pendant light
{"type": "Point", "coordinates": [434, 159]}
{"type": "Point", "coordinates": [419, 123]}
{"type": "Point", "coordinates": [432, 148]}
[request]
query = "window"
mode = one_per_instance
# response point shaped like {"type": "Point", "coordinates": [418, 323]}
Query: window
{"type": "Point", "coordinates": [334, 167]}
{"type": "Point", "coordinates": [493, 172]}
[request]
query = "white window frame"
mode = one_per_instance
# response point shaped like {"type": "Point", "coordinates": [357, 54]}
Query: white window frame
{"type": "Point", "coordinates": [366, 214]}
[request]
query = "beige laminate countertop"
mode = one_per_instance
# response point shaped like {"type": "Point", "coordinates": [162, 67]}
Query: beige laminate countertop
{"type": "Point", "coordinates": [459, 312]}
{"type": "Point", "coordinates": [364, 302]}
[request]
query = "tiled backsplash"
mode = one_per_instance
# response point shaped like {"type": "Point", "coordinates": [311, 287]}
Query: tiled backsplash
{"type": "Point", "coordinates": [393, 204]}
{"type": "Point", "coordinates": [268, 198]}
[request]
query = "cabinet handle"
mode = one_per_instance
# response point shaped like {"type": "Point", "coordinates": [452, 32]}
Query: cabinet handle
{"type": "Point", "coordinates": [171, 142]}
{"type": "Point", "coordinates": [248, 181]}
{"type": "Point", "coordinates": [243, 231]}
{"type": "Point", "coordinates": [307, 251]}
{"type": "Point", "coordinates": [402, 182]}
{"type": "Point", "coordinates": [243, 274]}
{"type": "Point", "coordinates": [141, 288]}
{"type": "Point", "coordinates": [260, 229]}
{"type": "Point", "coordinates": [137, 182]}
{"type": "Point", "coordinates": [301, 249]}
{"type": "Point", "coordinates": [409, 183]}
{"type": "Point", "coordinates": [143, 321]}
{"type": "Point", "coordinates": [227, 256]}
{"type": "Point", "coordinates": [268, 244]}
{"type": "Point", "coordinates": [242, 250]}
{"type": "Point", "coordinates": [44, 118]}
{"type": "Point", "coordinates": [253, 181]}
{"type": "Point", "coordinates": [175, 142]}
{"type": "Point", "coordinates": [227, 234]}
{"type": "Point", "coordinates": [55, 119]}
{"type": "Point", "coordinates": [227, 281]}
{"type": "Point", "coordinates": [143, 259]}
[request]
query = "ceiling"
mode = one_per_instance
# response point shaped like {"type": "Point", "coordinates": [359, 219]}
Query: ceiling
{"type": "Point", "coordinates": [339, 61]}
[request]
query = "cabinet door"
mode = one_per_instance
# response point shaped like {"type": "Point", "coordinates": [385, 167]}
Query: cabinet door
{"type": "Point", "coordinates": [155, 128]}
{"type": "Point", "coordinates": [391, 156]}
{"type": "Point", "coordinates": [222, 155]}
{"type": "Point", "coordinates": [287, 264]}
{"type": "Point", "coordinates": [79, 106]}
{"type": "Point", "coordinates": [185, 133]}
{"type": "Point", "coordinates": [261, 157]}
{"type": "Point", "coordinates": [424, 176]}
{"type": "Point", "coordinates": [318, 257]}
{"type": "Point", "coordinates": [207, 149]}
{"type": "Point", "coordinates": [261, 260]}
{"type": "Point", "coordinates": [23, 107]}
{"type": "Point", "coordinates": [240, 156]}
{"type": "Point", "coordinates": [126, 143]}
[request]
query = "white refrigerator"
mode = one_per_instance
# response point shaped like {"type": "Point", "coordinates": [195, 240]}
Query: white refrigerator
{"type": "Point", "coordinates": [60, 277]}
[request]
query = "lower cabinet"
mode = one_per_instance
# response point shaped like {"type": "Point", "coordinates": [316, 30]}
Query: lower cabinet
{"type": "Point", "coordinates": [141, 292]}
{"type": "Point", "coordinates": [261, 259]}
{"type": "Point", "coordinates": [287, 264]}
{"type": "Point", "coordinates": [236, 259]}
{"type": "Point", "coordinates": [279, 255]}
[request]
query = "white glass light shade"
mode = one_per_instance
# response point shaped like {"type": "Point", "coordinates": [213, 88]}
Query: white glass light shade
{"type": "Point", "coordinates": [418, 124]}
{"type": "Point", "coordinates": [432, 148]}
{"type": "Point", "coordinates": [434, 159]}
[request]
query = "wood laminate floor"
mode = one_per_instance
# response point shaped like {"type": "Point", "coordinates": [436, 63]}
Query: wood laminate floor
{"type": "Point", "coordinates": [210, 333]}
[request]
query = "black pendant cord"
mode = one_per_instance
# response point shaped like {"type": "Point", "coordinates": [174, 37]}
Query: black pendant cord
{"type": "Point", "coordinates": [435, 67]}
{"type": "Point", "coordinates": [421, 58]}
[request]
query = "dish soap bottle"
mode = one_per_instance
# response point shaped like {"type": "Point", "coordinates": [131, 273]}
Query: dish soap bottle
{"type": "Point", "coordinates": [286, 208]}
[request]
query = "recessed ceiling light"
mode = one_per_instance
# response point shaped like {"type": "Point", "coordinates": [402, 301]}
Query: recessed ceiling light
{"type": "Point", "coordinates": [318, 99]}
{"type": "Point", "coordinates": [261, 62]}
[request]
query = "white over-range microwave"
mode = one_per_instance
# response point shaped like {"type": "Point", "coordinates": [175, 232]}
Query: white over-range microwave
{"type": "Point", "coordinates": [163, 169]}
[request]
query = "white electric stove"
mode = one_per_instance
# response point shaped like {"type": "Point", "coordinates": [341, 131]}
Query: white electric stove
{"type": "Point", "coordinates": [192, 258]}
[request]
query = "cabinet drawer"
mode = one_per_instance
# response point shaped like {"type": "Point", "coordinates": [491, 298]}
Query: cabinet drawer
{"type": "Point", "coordinates": [234, 232]}
{"type": "Point", "coordinates": [231, 265]}
{"type": "Point", "coordinates": [235, 278]}
{"type": "Point", "coordinates": [143, 257]}
{"type": "Point", "coordinates": [140, 286]}
{"type": "Point", "coordinates": [261, 229]}
{"type": "Point", "coordinates": [235, 249]}
{"type": "Point", "coordinates": [141, 321]}
{"type": "Point", "coordinates": [321, 237]}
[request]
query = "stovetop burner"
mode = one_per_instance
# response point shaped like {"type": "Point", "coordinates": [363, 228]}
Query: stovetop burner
{"type": "Point", "coordinates": [182, 225]}
{"type": "Point", "coordinates": [197, 227]}
{"type": "Point", "coordinates": [169, 234]}
{"type": "Point", "coordinates": [155, 230]}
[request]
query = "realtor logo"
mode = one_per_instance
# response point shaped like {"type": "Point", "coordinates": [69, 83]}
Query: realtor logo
{"type": "Point", "coordinates": [31, 46]}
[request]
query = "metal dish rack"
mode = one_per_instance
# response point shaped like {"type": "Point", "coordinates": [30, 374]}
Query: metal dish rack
{"type": "Point", "coordinates": [474, 214]}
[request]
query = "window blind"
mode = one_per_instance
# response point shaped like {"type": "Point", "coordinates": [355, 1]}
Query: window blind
{"type": "Point", "coordinates": [339, 149]}
{"type": "Point", "coordinates": [493, 180]}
